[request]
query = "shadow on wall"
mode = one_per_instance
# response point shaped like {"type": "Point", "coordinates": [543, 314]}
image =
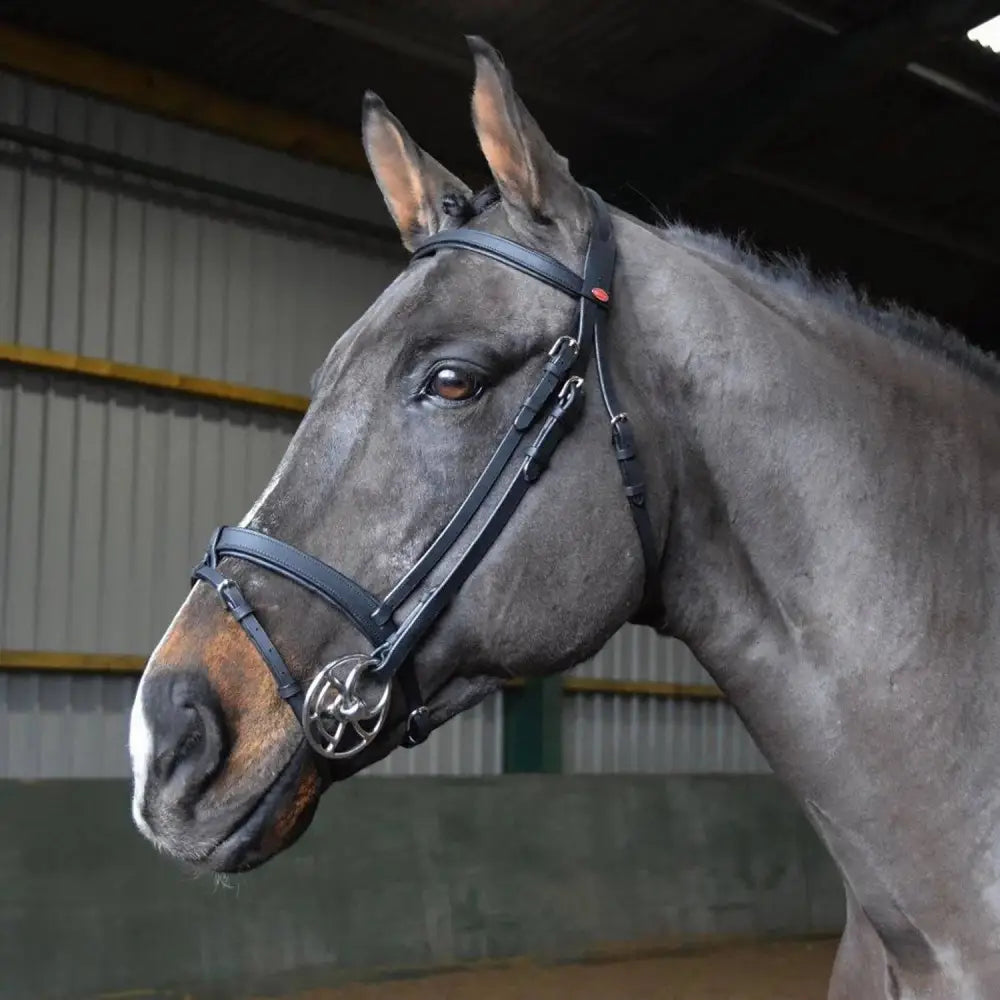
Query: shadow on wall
{"type": "Point", "coordinates": [401, 874]}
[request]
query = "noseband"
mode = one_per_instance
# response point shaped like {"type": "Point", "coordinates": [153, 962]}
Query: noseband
{"type": "Point", "coordinates": [347, 702]}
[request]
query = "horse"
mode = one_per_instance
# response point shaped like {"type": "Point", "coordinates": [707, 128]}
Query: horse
{"type": "Point", "coordinates": [815, 514]}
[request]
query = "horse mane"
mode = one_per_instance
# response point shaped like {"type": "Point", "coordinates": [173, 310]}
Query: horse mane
{"type": "Point", "coordinates": [791, 277]}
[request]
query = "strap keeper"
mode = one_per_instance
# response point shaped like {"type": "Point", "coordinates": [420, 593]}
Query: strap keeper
{"type": "Point", "coordinates": [382, 615]}
{"type": "Point", "coordinates": [538, 398]}
{"type": "Point", "coordinates": [623, 441]}
{"type": "Point", "coordinates": [624, 451]}
{"type": "Point", "coordinates": [535, 463]}
{"type": "Point", "coordinates": [636, 493]}
{"type": "Point", "coordinates": [289, 690]}
{"type": "Point", "coordinates": [538, 456]}
{"type": "Point", "coordinates": [241, 611]}
{"type": "Point", "coordinates": [525, 417]}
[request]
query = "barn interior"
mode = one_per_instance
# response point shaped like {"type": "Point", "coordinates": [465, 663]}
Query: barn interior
{"type": "Point", "coordinates": [187, 223]}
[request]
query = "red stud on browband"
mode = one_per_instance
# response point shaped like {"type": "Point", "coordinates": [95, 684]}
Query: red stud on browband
{"type": "Point", "coordinates": [600, 294]}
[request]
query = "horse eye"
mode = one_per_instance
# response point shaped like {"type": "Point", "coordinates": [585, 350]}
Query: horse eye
{"type": "Point", "coordinates": [454, 385]}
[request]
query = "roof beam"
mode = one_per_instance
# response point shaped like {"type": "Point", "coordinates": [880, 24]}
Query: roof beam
{"type": "Point", "coordinates": [174, 97]}
{"type": "Point", "coordinates": [799, 72]}
{"type": "Point", "coordinates": [593, 108]}
{"type": "Point", "coordinates": [867, 211]}
{"type": "Point", "coordinates": [986, 102]}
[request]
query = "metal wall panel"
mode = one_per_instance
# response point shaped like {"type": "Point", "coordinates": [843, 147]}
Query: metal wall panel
{"type": "Point", "coordinates": [131, 275]}
{"type": "Point", "coordinates": [609, 732]}
{"type": "Point", "coordinates": [76, 726]}
{"type": "Point", "coordinates": [108, 492]}
{"type": "Point", "coordinates": [113, 493]}
{"type": "Point", "coordinates": [64, 725]}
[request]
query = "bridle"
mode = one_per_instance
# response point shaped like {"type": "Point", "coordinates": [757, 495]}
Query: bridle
{"type": "Point", "coordinates": [347, 702]}
{"type": "Point", "coordinates": [349, 698]}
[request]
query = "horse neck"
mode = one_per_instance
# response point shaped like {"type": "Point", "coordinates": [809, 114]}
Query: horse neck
{"type": "Point", "coordinates": [830, 516]}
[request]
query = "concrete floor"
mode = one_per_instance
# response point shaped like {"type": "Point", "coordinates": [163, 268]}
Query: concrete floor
{"type": "Point", "coordinates": [797, 970]}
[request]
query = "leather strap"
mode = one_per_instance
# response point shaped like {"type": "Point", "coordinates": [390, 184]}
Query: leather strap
{"type": "Point", "coordinates": [650, 612]}
{"type": "Point", "coordinates": [418, 726]}
{"type": "Point", "coordinates": [406, 638]}
{"type": "Point", "coordinates": [598, 270]}
{"type": "Point", "coordinates": [238, 606]}
{"type": "Point", "coordinates": [531, 262]}
{"type": "Point", "coordinates": [324, 581]}
{"type": "Point", "coordinates": [562, 357]}
{"type": "Point", "coordinates": [568, 354]}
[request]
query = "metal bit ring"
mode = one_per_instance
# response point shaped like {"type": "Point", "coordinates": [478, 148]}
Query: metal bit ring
{"type": "Point", "coordinates": [334, 710]}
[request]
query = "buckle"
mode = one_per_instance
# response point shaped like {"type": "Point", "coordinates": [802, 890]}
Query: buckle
{"type": "Point", "coordinates": [417, 727]}
{"type": "Point", "coordinates": [232, 599]}
{"type": "Point", "coordinates": [565, 341]}
{"type": "Point", "coordinates": [223, 587]}
{"type": "Point", "coordinates": [567, 394]}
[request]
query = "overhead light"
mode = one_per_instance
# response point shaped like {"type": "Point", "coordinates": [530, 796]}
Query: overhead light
{"type": "Point", "coordinates": [988, 34]}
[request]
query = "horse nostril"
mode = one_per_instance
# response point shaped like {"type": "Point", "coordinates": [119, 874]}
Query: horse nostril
{"type": "Point", "coordinates": [185, 720]}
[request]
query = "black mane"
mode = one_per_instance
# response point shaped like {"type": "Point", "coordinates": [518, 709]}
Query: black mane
{"type": "Point", "coordinates": [791, 277]}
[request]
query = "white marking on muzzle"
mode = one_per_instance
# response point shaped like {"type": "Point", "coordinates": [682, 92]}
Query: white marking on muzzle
{"type": "Point", "coordinates": [140, 749]}
{"type": "Point", "coordinates": [140, 735]}
{"type": "Point", "coordinates": [140, 740]}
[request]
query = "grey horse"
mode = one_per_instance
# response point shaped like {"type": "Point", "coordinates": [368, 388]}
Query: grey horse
{"type": "Point", "coordinates": [825, 483]}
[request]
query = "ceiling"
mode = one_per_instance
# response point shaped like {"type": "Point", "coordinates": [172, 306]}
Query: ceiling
{"type": "Point", "coordinates": [862, 133]}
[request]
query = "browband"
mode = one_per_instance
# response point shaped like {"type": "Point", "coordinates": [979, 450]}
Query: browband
{"type": "Point", "coordinates": [531, 262]}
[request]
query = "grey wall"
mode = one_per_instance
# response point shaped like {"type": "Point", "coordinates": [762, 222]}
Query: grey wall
{"type": "Point", "coordinates": [612, 733]}
{"type": "Point", "coordinates": [401, 874]}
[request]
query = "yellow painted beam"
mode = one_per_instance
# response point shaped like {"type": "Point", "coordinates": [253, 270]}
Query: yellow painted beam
{"type": "Point", "coordinates": [170, 96]}
{"type": "Point", "coordinates": [649, 689]}
{"type": "Point", "coordinates": [116, 371]}
{"type": "Point", "coordinates": [33, 659]}
{"type": "Point", "coordinates": [97, 663]}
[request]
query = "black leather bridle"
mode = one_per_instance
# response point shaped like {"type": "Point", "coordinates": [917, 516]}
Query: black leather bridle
{"type": "Point", "coordinates": [339, 703]}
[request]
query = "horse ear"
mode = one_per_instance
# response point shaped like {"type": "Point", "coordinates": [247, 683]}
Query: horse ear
{"type": "Point", "coordinates": [415, 186]}
{"type": "Point", "coordinates": [533, 178]}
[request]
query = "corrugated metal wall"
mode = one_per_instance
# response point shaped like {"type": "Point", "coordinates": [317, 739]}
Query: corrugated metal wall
{"type": "Point", "coordinates": [613, 732]}
{"type": "Point", "coordinates": [109, 492]}
{"type": "Point", "coordinates": [56, 725]}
